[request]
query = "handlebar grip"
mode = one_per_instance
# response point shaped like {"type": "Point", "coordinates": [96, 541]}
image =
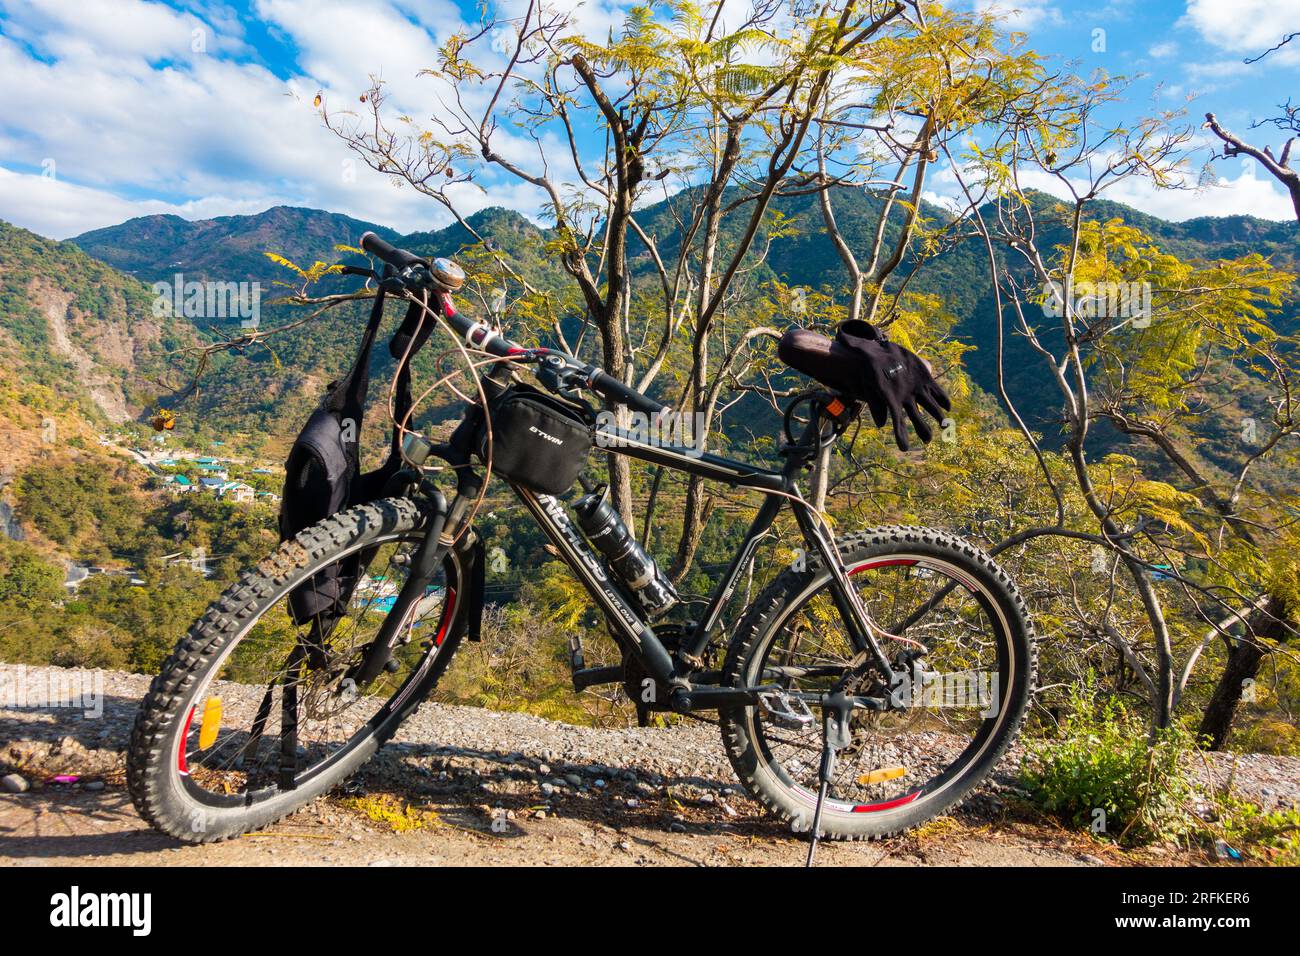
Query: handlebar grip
{"type": "Point", "coordinates": [475, 334]}
{"type": "Point", "coordinates": [397, 258]}
{"type": "Point", "coordinates": [616, 391]}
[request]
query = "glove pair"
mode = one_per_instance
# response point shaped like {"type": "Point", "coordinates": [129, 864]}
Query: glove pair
{"type": "Point", "coordinates": [894, 381]}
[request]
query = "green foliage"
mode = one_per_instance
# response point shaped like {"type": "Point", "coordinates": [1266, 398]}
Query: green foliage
{"type": "Point", "coordinates": [93, 507]}
{"type": "Point", "coordinates": [522, 665]}
{"type": "Point", "coordinates": [1103, 760]}
{"type": "Point", "coordinates": [1270, 836]}
{"type": "Point", "coordinates": [110, 622]}
{"type": "Point", "coordinates": [84, 504]}
{"type": "Point", "coordinates": [27, 581]}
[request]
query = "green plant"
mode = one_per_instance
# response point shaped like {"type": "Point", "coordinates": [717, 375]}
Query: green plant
{"type": "Point", "coordinates": [1271, 836]}
{"type": "Point", "coordinates": [1106, 773]}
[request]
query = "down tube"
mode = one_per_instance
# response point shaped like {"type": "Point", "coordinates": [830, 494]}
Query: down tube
{"type": "Point", "coordinates": [559, 527]}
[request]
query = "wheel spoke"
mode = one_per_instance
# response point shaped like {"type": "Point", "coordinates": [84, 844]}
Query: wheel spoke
{"type": "Point", "coordinates": [905, 751]}
{"type": "Point", "coordinates": [315, 712]}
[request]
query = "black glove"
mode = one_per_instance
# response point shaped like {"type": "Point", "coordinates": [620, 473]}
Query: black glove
{"type": "Point", "coordinates": [894, 380]}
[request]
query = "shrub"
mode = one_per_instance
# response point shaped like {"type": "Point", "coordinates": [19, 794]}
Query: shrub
{"type": "Point", "coordinates": [1105, 760]}
{"type": "Point", "coordinates": [1272, 836]}
{"type": "Point", "coordinates": [522, 664]}
{"type": "Point", "coordinates": [1267, 735]}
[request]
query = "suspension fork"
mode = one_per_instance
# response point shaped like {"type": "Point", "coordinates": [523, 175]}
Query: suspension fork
{"type": "Point", "coordinates": [424, 565]}
{"type": "Point", "coordinates": [845, 596]}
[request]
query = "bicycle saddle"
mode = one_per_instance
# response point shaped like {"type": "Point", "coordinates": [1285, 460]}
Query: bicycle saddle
{"type": "Point", "coordinates": [829, 362]}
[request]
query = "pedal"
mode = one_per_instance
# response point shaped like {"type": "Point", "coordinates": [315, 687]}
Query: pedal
{"type": "Point", "coordinates": [786, 711]}
{"type": "Point", "coordinates": [584, 676]}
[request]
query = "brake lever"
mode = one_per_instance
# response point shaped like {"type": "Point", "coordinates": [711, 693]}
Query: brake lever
{"type": "Point", "coordinates": [558, 377]}
{"type": "Point", "coordinates": [414, 279]}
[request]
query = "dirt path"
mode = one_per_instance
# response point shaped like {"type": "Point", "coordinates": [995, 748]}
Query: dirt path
{"type": "Point", "coordinates": [463, 786]}
{"type": "Point", "coordinates": [102, 829]}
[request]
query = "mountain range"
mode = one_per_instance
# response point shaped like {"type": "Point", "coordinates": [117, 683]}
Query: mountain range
{"type": "Point", "coordinates": [80, 312]}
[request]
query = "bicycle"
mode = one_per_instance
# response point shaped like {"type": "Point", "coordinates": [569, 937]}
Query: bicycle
{"type": "Point", "coordinates": [869, 687]}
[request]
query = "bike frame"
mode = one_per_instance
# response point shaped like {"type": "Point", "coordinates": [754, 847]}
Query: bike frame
{"type": "Point", "coordinates": [692, 690]}
{"type": "Point", "coordinates": [446, 529]}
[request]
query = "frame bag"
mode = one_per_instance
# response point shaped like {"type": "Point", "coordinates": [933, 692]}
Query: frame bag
{"type": "Point", "coordinates": [538, 441]}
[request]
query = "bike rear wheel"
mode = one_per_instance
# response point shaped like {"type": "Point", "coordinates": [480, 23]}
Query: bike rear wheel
{"type": "Point", "coordinates": [255, 715]}
{"type": "Point", "coordinates": [949, 618]}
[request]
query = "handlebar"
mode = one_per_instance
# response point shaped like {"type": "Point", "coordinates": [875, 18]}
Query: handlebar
{"type": "Point", "coordinates": [616, 391]}
{"type": "Point", "coordinates": [415, 273]}
{"type": "Point", "coordinates": [399, 259]}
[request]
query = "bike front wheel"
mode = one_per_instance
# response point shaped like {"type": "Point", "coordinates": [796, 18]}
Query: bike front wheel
{"type": "Point", "coordinates": [255, 713]}
{"type": "Point", "coordinates": [958, 636]}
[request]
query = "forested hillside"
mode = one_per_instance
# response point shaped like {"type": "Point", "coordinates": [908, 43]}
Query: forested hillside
{"type": "Point", "coordinates": [226, 249]}
{"type": "Point", "coordinates": [272, 387]}
{"type": "Point", "coordinates": [1077, 538]}
{"type": "Point", "coordinates": [86, 344]}
{"type": "Point", "coordinates": [81, 344]}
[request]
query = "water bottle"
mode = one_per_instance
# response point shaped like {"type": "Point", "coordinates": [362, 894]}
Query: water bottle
{"type": "Point", "coordinates": [625, 557]}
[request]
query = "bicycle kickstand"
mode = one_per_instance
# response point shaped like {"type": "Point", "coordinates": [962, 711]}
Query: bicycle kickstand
{"type": "Point", "coordinates": [836, 709]}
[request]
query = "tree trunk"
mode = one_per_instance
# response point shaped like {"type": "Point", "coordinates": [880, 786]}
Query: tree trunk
{"type": "Point", "coordinates": [693, 518]}
{"type": "Point", "coordinates": [1242, 665]}
{"type": "Point", "coordinates": [821, 478]}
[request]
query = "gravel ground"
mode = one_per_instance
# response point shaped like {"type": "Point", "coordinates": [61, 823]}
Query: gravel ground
{"type": "Point", "coordinates": [573, 794]}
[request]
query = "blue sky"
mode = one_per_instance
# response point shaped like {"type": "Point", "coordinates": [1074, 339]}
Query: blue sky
{"type": "Point", "coordinates": [120, 108]}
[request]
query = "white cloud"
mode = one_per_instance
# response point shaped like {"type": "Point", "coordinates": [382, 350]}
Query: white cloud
{"type": "Point", "coordinates": [1164, 50]}
{"type": "Point", "coordinates": [61, 210]}
{"type": "Point", "coordinates": [1021, 14]}
{"type": "Point", "coordinates": [1250, 194]}
{"type": "Point", "coordinates": [138, 123]}
{"type": "Point", "coordinates": [1240, 189]}
{"type": "Point", "coordinates": [1216, 70]}
{"type": "Point", "coordinates": [1247, 26]}
{"type": "Point", "coordinates": [114, 28]}
{"type": "Point", "coordinates": [594, 19]}
{"type": "Point", "coordinates": [342, 42]}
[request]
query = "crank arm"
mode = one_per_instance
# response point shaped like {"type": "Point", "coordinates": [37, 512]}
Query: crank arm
{"type": "Point", "coordinates": [778, 671]}
{"type": "Point", "coordinates": [857, 701]}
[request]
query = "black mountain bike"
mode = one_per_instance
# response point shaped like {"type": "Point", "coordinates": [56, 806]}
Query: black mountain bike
{"type": "Point", "coordinates": [871, 686]}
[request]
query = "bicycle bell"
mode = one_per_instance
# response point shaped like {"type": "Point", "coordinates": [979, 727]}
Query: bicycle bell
{"type": "Point", "coordinates": [448, 276]}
